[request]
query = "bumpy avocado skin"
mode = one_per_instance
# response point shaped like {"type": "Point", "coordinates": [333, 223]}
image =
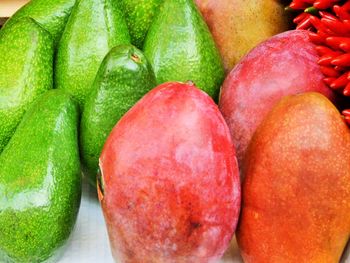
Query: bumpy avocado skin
{"type": "Point", "coordinates": [26, 65]}
{"type": "Point", "coordinates": [180, 47]}
{"type": "Point", "coordinates": [40, 181]}
{"type": "Point", "coordinates": [124, 77]}
{"type": "Point", "coordinates": [139, 15]}
{"type": "Point", "coordinates": [50, 14]}
{"type": "Point", "coordinates": [94, 27]}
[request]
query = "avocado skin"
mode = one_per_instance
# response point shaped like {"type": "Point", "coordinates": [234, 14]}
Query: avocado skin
{"type": "Point", "coordinates": [180, 47]}
{"type": "Point", "coordinates": [94, 27]}
{"type": "Point", "coordinates": [40, 181]}
{"type": "Point", "coordinates": [124, 77]}
{"type": "Point", "coordinates": [50, 14]}
{"type": "Point", "coordinates": [139, 15]}
{"type": "Point", "coordinates": [26, 54]}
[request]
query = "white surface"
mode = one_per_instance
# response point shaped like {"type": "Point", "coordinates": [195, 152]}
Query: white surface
{"type": "Point", "coordinates": [89, 242]}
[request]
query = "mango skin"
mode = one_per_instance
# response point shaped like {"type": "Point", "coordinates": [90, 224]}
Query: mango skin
{"type": "Point", "coordinates": [286, 64]}
{"type": "Point", "coordinates": [50, 14]}
{"type": "Point", "coordinates": [124, 77]}
{"type": "Point", "coordinates": [180, 47]}
{"type": "Point", "coordinates": [26, 69]}
{"type": "Point", "coordinates": [40, 181]}
{"type": "Point", "coordinates": [239, 25]}
{"type": "Point", "coordinates": [295, 205]}
{"type": "Point", "coordinates": [94, 27]}
{"type": "Point", "coordinates": [169, 185]}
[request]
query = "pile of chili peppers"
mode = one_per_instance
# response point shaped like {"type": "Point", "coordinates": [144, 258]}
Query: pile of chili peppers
{"type": "Point", "coordinates": [329, 24]}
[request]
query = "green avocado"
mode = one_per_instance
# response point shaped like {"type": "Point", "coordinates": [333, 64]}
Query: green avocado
{"type": "Point", "coordinates": [40, 181]}
{"type": "Point", "coordinates": [50, 14]}
{"type": "Point", "coordinates": [94, 27]}
{"type": "Point", "coordinates": [123, 78]}
{"type": "Point", "coordinates": [180, 47]}
{"type": "Point", "coordinates": [139, 15]}
{"type": "Point", "coordinates": [26, 65]}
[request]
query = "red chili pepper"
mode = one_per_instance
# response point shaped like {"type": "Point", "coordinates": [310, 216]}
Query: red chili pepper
{"type": "Point", "coordinates": [327, 15]}
{"type": "Point", "coordinates": [324, 4]}
{"type": "Point", "coordinates": [326, 60]}
{"type": "Point", "coordinates": [340, 82]}
{"type": "Point", "coordinates": [343, 60]}
{"type": "Point", "coordinates": [329, 72]}
{"type": "Point", "coordinates": [316, 38]}
{"type": "Point", "coordinates": [346, 114]}
{"type": "Point", "coordinates": [340, 69]}
{"type": "Point", "coordinates": [329, 24]}
{"type": "Point", "coordinates": [346, 91]}
{"type": "Point", "coordinates": [305, 24]}
{"type": "Point", "coordinates": [335, 26]}
{"type": "Point", "coordinates": [329, 81]}
{"type": "Point", "coordinates": [341, 12]}
{"type": "Point", "coordinates": [336, 42]}
{"type": "Point", "coordinates": [300, 18]}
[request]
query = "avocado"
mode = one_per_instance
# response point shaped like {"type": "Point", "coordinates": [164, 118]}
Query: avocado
{"type": "Point", "coordinates": [50, 14]}
{"type": "Point", "coordinates": [139, 15]}
{"type": "Point", "coordinates": [180, 47]}
{"type": "Point", "coordinates": [26, 65]}
{"type": "Point", "coordinates": [40, 181]}
{"type": "Point", "coordinates": [123, 78]}
{"type": "Point", "coordinates": [94, 27]}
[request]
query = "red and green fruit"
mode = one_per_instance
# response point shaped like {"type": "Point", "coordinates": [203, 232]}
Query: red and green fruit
{"type": "Point", "coordinates": [284, 65]}
{"type": "Point", "coordinates": [296, 189]}
{"type": "Point", "coordinates": [169, 184]}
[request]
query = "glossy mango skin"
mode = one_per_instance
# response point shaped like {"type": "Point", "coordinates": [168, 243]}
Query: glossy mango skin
{"type": "Point", "coordinates": [94, 27]}
{"type": "Point", "coordinates": [180, 47]}
{"type": "Point", "coordinates": [170, 189]}
{"type": "Point", "coordinates": [139, 16]}
{"type": "Point", "coordinates": [123, 78]}
{"type": "Point", "coordinates": [295, 203]}
{"type": "Point", "coordinates": [285, 64]}
{"type": "Point", "coordinates": [40, 181]}
{"type": "Point", "coordinates": [50, 14]}
{"type": "Point", "coordinates": [26, 68]}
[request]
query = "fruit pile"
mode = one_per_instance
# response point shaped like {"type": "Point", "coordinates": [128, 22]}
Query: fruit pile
{"type": "Point", "coordinates": [194, 120]}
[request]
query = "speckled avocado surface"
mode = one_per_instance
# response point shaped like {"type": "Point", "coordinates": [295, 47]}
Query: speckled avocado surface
{"type": "Point", "coordinates": [139, 15]}
{"type": "Point", "coordinates": [123, 78]}
{"type": "Point", "coordinates": [50, 14]}
{"type": "Point", "coordinates": [94, 27]}
{"type": "Point", "coordinates": [40, 181]}
{"type": "Point", "coordinates": [26, 61]}
{"type": "Point", "coordinates": [180, 47]}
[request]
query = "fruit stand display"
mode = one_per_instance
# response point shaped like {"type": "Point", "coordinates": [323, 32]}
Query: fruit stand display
{"type": "Point", "coordinates": [174, 131]}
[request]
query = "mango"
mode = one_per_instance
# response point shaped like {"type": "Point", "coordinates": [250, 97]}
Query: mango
{"type": "Point", "coordinates": [169, 184]}
{"type": "Point", "coordinates": [295, 204]}
{"type": "Point", "coordinates": [239, 25]}
{"type": "Point", "coordinates": [284, 65]}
